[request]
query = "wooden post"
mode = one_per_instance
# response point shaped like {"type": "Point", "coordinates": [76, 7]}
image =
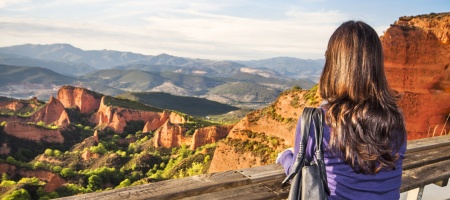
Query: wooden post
{"type": "Point", "coordinates": [442, 183]}
{"type": "Point", "coordinates": [415, 194]}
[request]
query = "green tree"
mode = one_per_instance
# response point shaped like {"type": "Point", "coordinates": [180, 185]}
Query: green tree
{"type": "Point", "coordinates": [57, 169]}
{"type": "Point", "coordinates": [67, 172]}
{"type": "Point", "coordinates": [94, 182]}
{"type": "Point", "coordinates": [57, 153]}
{"type": "Point", "coordinates": [20, 194]}
{"type": "Point", "coordinates": [39, 165]}
{"type": "Point", "coordinates": [100, 149]}
{"type": "Point", "coordinates": [41, 123]}
{"type": "Point", "coordinates": [124, 183]}
{"type": "Point", "coordinates": [48, 152]}
{"type": "Point", "coordinates": [5, 177]}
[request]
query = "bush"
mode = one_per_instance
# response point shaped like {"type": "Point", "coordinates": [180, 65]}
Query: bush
{"type": "Point", "coordinates": [124, 183]}
{"type": "Point", "coordinates": [20, 194]}
{"type": "Point", "coordinates": [48, 152]}
{"type": "Point", "coordinates": [67, 172]}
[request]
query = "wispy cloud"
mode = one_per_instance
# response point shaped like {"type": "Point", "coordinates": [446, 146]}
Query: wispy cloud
{"type": "Point", "coordinates": [222, 29]}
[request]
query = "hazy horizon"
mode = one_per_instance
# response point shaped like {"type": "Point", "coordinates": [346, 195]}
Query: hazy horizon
{"type": "Point", "coordinates": [219, 30]}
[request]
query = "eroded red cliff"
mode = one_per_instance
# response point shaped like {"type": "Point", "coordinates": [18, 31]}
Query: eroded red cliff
{"type": "Point", "coordinates": [33, 132]}
{"type": "Point", "coordinates": [417, 62]}
{"type": "Point", "coordinates": [85, 100]}
{"type": "Point", "coordinates": [257, 138]}
{"type": "Point", "coordinates": [208, 135]}
{"type": "Point", "coordinates": [117, 117]}
{"type": "Point", "coordinates": [170, 135]}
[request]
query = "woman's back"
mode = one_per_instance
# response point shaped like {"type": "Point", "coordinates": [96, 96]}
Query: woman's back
{"type": "Point", "coordinates": [364, 135]}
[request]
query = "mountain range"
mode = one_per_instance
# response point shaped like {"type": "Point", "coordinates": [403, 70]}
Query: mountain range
{"type": "Point", "coordinates": [116, 72]}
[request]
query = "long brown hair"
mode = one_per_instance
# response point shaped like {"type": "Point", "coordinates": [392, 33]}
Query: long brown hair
{"type": "Point", "coordinates": [367, 126]}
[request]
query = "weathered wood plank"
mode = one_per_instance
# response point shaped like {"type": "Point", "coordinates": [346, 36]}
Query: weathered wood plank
{"type": "Point", "coordinates": [265, 190]}
{"type": "Point", "coordinates": [425, 157]}
{"type": "Point", "coordinates": [175, 188]}
{"type": "Point", "coordinates": [428, 174]}
{"type": "Point", "coordinates": [428, 143]}
{"type": "Point", "coordinates": [427, 161]}
{"type": "Point", "coordinates": [265, 173]}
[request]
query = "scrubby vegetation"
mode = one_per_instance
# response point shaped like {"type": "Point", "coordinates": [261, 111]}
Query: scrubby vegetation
{"type": "Point", "coordinates": [258, 144]}
{"type": "Point", "coordinates": [118, 161]}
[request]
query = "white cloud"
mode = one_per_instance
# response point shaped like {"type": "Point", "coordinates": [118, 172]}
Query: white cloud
{"type": "Point", "coordinates": [184, 28]}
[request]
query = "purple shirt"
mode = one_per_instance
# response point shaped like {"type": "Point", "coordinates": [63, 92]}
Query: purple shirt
{"type": "Point", "coordinates": [343, 181]}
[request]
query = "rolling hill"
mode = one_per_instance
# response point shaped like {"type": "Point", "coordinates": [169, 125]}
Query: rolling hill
{"type": "Point", "coordinates": [189, 105]}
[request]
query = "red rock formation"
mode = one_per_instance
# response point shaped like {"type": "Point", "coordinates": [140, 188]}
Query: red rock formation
{"type": "Point", "coordinates": [117, 117]}
{"type": "Point", "coordinates": [417, 61]}
{"type": "Point", "coordinates": [7, 168]}
{"type": "Point", "coordinates": [53, 180]}
{"type": "Point", "coordinates": [15, 105]}
{"type": "Point", "coordinates": [87, 101]}
{"type": "Point", "coordinates": [52, 113]}
{"type": "Point", "coordinates": [88, 155]}
{"type": "Point", "coordinates": [5, 150]}
{"type": "Point", "coordinates": [209, 135]}
{"type": "Point", "coordinates": [156, 123]}
{"type": "Point", "coordinates": [33, 132]}
{"type": "Point", "coordinates": [170, 135]}
{"type": "Point", "coordinates": [175, 118]}
{"type": "Point", "coordinates": [271, 121]}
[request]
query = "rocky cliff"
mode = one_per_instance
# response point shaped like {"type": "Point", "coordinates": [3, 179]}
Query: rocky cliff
{"type": "Point", "coordinates": [170, 135]}
{"type": "Point", "coordinates": [257, 138]}
{"type": "Point", "coordinates": [417, 61]}
{"type": "Point", "coordinates": [52, 113]}
{"type": "Point", "coordinates": [117, 117]}
{"type": "Point", "coordinates": [209, 135]}
{"type": "Point", "coordinates": [53, 181]}
{"type": "Point", "coordinates": [33, 132]}
{"type": "Point", "coordinates": [85, 100]}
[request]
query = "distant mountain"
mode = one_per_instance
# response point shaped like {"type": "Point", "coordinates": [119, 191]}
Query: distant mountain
{"type": "Point", "coordinates": [290, 67]}
{"type": "Point", "coordinates": [69, 69]}
{"type": "Point", "coordinates": [31, 75]}
{"type": "Point", "coordinates": [77, 61]}
{"type": "Point", "coordinates": [189, 105]}
{"type": "Point", "coordinates": [99, 59]}
{"type": "Point", "coordinates": [115, 72]}
{"type": "Point", "coordinates": [135, 80]}
{"type": "Point", "coordinates": [165, 62]}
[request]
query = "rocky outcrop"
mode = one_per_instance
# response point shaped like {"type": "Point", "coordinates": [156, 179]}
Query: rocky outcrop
{"type": "Point", "coordinates": [33, 132]}
{"type": "Point", "coordinates": [117, 117]}
{"type": "Point", "coordinates": [87, 155]}
{"type": "Point", "coordinates": [85, 100]}
{"type": "Point", "coordinates": [5, 149]}
{"type": "Point", "coordinates": [156, 123]}
{"type": "Point", "coordinates": [176, 118]}
{"type": "Point", "coordinates": [170, 135]}
{"type": "Point", "coordinates": [53, 181]}
{"type": "Point", "coordinates": [209, 135]}
{"type": "Point", "coordinates": [417, 62]}
{"type": "Point", "coordinates": [52, 113]}
{"type": "Point", "coordinates": [277, 121]}
{"type": "Point", "coordinates": [7, 168]}
{"type": "Point", "coordinates": [15, 105]}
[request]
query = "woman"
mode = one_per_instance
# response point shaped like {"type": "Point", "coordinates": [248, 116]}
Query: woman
{"type": "Point", "coordinates": [364, 130]}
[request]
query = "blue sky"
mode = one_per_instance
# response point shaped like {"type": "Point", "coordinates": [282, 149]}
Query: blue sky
{"type": "Point", "coordinates": [210, 29]}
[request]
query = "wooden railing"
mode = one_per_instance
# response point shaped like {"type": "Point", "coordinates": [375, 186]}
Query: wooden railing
{"type": "Point", "coordinates": [427, 161]}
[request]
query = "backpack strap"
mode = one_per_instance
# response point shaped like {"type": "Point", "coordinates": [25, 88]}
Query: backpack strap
{"type": "Point", "coordinates": [318, 119]}
{"type": "Point", "coordinates": [300, 161]}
